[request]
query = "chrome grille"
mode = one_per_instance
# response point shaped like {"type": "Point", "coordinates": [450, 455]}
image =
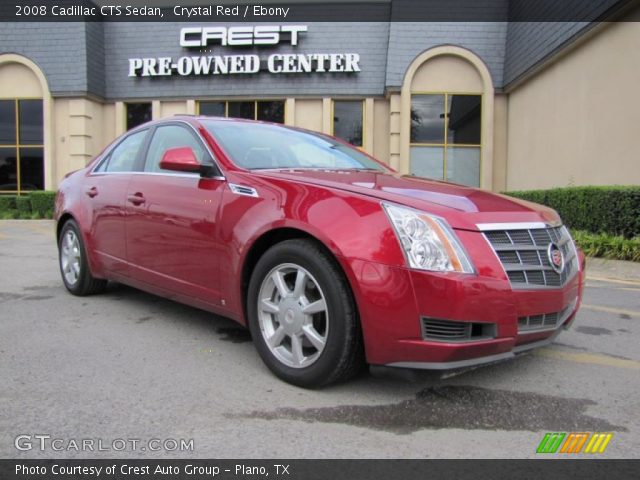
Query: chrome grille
{"type": "Point", "coordinates": [523, 254]}
{"type": "Point", "coordinates": [545, 321]}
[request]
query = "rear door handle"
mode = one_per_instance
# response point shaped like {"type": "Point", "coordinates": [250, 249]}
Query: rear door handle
{"type": "Point", "coordinates": [136, 198]}
{"type": "Point", "coordinates": [92, 192]}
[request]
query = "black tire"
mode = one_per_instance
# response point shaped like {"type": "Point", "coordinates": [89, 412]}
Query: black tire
{"type": "Point", "coordinates": [86, 283]}
{"type": "Point", "coordinates": [343, 353]}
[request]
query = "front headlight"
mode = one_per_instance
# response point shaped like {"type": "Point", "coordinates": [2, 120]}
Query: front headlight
{"type": "Point", "coordinates": [427, 241]}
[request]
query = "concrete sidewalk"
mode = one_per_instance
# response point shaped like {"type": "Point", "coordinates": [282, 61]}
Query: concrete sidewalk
{"type": "Point", "coordinates": [602, 268]}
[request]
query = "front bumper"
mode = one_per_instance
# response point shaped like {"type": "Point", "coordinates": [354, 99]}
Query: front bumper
{"type": "Point", "coordinates": [477, 361]}
{"type": "Point", "coordinates": [393, 300]}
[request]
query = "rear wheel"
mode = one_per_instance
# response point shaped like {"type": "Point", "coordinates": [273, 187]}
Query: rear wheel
{"type": "Point", "coordinates": [302, 315]}
{"type": "Point", "coordinates": [73, 262]}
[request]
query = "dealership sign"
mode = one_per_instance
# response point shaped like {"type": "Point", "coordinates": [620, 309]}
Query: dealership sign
{"type": "Point", "coordinates": [206, 39]}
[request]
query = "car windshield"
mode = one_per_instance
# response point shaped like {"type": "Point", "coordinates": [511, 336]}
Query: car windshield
{"type": "Point", "coordinates": [257, 146]}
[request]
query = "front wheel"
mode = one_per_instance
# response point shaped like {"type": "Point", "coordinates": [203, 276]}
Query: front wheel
{"type": "Point", "coordinates": [74, 267]}
{"type": "Point", "coordinates": [302, 315]}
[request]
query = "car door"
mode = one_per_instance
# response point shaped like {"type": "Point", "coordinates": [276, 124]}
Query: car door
{"type": "Point", "coordinates": [106, 191]}
{"type": "Point", "coordinates": [172, 239]}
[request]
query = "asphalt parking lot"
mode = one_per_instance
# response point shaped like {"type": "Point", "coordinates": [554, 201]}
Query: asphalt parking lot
{"type": "Point", "coordinates": [128, 365]}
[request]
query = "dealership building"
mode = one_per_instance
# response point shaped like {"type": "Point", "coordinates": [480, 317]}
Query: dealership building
{"type": "Point", "coordinates": [502, 105]}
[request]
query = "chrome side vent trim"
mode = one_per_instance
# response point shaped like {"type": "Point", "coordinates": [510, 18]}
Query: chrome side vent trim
{"type": "Point", "coordinates": [243, 190]}
{"type": "Point", "coordinates": [451, 331]}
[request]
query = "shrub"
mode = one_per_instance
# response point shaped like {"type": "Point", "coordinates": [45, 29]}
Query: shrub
{"type": "Point", "coordinates": [608, 246]}
{"type": "Point", "coordinates": [23, 205]}
{"type": "Point", "coordinates": [8, 214]}
{"type": "Point", "coordinates": [42, 203]}
{"type": "Point", "coordinates": [7, 203]}
{"type": "Point", "coordinates": [612, 210]}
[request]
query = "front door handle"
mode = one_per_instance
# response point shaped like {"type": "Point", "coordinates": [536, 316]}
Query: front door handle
{"type": "Point", "coordinates": [136, 198]}
{"type": "Point", "coordinates": [91, 192]}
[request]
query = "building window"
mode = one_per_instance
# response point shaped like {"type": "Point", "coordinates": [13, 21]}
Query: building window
{"type": "Point", "coordinates": [21, 145]}
{"type": "Point", "coordinates": [270, 111]}
{"type": "Point", "coordinates": [213, 109]}
{"type": "Point", "coordinates": [241, 110]}
{"type": "Point", "coordinates": [137, 114]}
{"type": "Point", "coordinates": [445, 137]}
{"type": "Point", "coordinates": [265, 110]}
{"type": "Point", "coordinates": [348, 120]}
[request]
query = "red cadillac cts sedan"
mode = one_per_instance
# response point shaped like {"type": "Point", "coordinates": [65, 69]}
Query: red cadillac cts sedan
{"type": "Point", "coordinates": [329, 257]}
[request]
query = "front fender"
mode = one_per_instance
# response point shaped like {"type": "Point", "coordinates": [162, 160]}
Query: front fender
{"type": "Point", "coordinates": [351, 226]}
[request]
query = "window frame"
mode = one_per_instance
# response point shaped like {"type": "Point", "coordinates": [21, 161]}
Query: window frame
{"type": "Point", "coordinates": [218, 173]}
{"type": "Point", "coordinates": [333, 117]}
{"type": "Point", "coordinates": [255, 106]}
{"type": "Point", "coordinates": [445, 145]}
{"type": "Point", "coordinates": [17, 146]}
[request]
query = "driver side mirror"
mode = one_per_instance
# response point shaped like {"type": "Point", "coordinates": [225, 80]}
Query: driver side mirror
{"type": "Point", "coordinates": [180, 159]}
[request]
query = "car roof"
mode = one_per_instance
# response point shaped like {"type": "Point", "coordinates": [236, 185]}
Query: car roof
{"type": "Point", "coordinates": [182, 116]}
{"type": "Point", "coordinates": [189, 118]}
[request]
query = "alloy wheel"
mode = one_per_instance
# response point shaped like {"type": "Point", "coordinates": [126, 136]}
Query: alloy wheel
{"type": "Point", "coordinates": [70, 259]}
{"type": "Point", "coordinates": [293, 315]}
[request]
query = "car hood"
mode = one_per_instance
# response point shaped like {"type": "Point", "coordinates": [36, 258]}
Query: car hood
{"type": "Point", "coordinates": [463, 207]}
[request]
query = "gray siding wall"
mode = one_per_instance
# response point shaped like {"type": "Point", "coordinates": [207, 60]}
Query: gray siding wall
{"type": "Point", "coordinates": [531, 42]}
{"type": "Point", "coordinates": [94, 35]}
{"type": "Point", "coordinates": [79, 58]}
{"type": "Point", "coordinates": [129, 40]}
{"type": "Point", "coordinates": [407, 40]}
{"type": "Point", "coordinates": [59, 49]}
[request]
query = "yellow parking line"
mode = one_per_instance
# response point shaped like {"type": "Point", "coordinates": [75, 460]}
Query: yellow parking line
{"type": "Point", "coordinates": [612, 280]}
{"type": "Point", "coordinates": [620, 311]}
{"type": "Point", "coordinates": [591, 358]}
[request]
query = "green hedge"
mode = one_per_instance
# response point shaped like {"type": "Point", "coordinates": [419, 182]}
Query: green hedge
{"type": "Point", "coordinates": [23, 205]}
{"type": "Point", "coordinates": [38, 204]}
{"type": "Point", "coordinates": [608, 246]}
{"type": "Point", "coordinates": [612, 210]}
{"type": "Point", "coordinates": [42, 203]}
{"type": "Point", "coordinates": [7, 202]}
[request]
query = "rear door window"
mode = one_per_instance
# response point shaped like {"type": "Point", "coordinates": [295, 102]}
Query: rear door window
{"type": "Point", "coordinates": [123, 157]}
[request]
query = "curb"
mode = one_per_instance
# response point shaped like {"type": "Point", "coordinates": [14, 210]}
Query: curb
{"type": "Point", "coordinates": [613, 270]}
